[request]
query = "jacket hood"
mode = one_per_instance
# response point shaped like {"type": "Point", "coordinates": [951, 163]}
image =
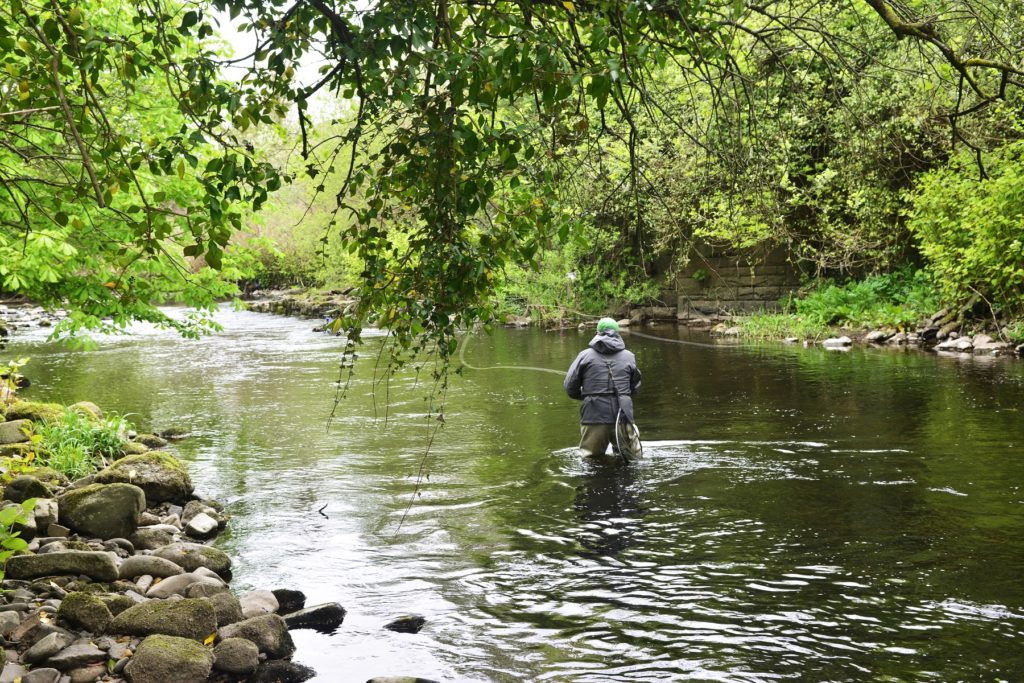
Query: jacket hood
{"type": "Point", "coordinates": [607, 342]}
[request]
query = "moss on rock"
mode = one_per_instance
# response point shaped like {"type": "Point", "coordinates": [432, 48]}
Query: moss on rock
{"type": "Point", "coordinates": [37, 412]}
{"type": "Point", "coordinates": [162, 658]}
{"type": "Point", "coordinates": [102, 510]}
{"type": "Point", "coordinates": [160, 475]}
{"type": "Point", "coordinates": [86, 611]}
{"type": "Point", "coordinates": [186, 618]}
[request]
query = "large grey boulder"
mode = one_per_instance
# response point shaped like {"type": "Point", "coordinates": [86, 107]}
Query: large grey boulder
{"type": "Point", "coordinates": [138, 565]}
{"type": "Point", "coordinates": [192, 556]}
{"type": "Point", "coordinates": [236, 656]}
{"type": "Point", "coordinates": [160, 475]}
{"type": "Point", "coordinates": [99, 566]}
{"type": "Point", "coordinates": [85, 610]}
{"type": "Point", "coordinates": [167, 659]}
{"type": "Point", "coordinates": [14, 431]}
{"type": "Point", "coordinates": [102, 510]}
{"type": "Point", "coordinates": [268, 632]}
{"type": "Point", "coordinates": [186, 618]}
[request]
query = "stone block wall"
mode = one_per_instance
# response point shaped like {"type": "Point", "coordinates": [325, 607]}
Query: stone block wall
{"type": "Point", "coordinates": [717, 282]}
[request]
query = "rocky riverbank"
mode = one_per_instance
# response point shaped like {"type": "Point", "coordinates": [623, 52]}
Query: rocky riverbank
{"type": "Point", "coordinates": [942, 333]}
{"type": "Point", "coordinates": [946, 332]}
{"type": "Point", "coordinates": [301, 302]}
{"type": "Point", "coordinates": [118, 581]}
{"type": "Point", "coordinates": [18, 314]}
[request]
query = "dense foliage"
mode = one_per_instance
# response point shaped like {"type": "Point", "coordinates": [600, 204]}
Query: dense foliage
{"type": "Point", "coordinates": [473, 142]}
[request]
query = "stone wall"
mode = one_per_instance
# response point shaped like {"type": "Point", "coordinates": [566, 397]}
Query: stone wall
{"type": "Point", "coordinates": [717, 282]}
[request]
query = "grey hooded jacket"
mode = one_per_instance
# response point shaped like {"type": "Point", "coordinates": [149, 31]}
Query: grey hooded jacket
{"type": "Point", "coordinates": [605, 377]}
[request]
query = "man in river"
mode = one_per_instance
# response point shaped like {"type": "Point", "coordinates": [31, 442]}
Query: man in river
{"type": "Point", "coordinates": [605, 377]}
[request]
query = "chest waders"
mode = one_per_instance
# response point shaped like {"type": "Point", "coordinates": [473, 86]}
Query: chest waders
{"type": "Point", "coordinates": [627, 435]}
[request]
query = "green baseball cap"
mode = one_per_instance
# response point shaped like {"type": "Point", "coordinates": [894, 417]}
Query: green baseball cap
{"type": "Point", "coordinates": [607, 324]}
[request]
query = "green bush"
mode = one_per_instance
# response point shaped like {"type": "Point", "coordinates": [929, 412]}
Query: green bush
{"type": "Point", "coordinates": [10, 541]}
{"type": "Point", "coordinates": [971, 231]}
{"type": "Point", "coordinates": [76, 444]}
{"type": "Point", "coordinates": [899, 299]}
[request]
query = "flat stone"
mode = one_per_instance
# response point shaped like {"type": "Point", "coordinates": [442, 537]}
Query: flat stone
{"type": "Point", "coordinates": [77, 655]}
{"type": "Point", "coordinates": [139, 565]}
{"type": "Point", "coordinates": [98, 566]}
{"type": "Point", "coordinates": [47, 647]}
{"type": "Point", "coordinates": [202, 526]}
{"type": "Point", "coordinates": [400, 679]}
{"type": "Point", "coordinates": [324, 618]}
{"type": "Point", "coordinates": [837, 342]}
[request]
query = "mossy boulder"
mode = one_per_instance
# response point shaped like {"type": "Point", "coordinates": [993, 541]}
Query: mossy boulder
{"type": "Point", "coordinates": [99, 566]}
{"type": "Point", "coordinates": [88, 409]}
{"type": "Point", "coordinates": [102, 510]}
{"type": "Point", "coordinates": [151, 440]}
{"type": "Point", "coordinates": [84, 610]}
{"type": "Point", "coordinates": [167, 659]}
{"type": "Point", "coordinates": [132, 448]}
{"type": "Point", "coordinates": [24, 487]}
{"type": "Point", "coordinates": [236, 656]}
{"type": "Point", "coordinates": [116, 602]}
{"type": "Point", "coordinates": [192, 618]}
{"type": "Point", "coordinates": [15, 450]}
{"type": "Point", "coordinates": [192, 556]}
{"type": "Point", "coordinates": [268, 632]}
{"type": "Point", "coordinates": [159, 474]}
{"type": "Point", "coordinates": [37, 412]}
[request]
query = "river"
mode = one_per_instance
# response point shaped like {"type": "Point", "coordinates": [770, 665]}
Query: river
{"type": "Point", "coordinates": [799, 514]}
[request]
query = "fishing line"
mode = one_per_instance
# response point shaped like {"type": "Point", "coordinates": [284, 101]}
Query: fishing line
{"type": "Point", "coordinates": [462, 359]}
{"type": "Point", "coordinates": [688, 343]}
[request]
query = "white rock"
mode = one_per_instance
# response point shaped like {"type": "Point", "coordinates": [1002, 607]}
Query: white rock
{"type": "Point", "coordinates": [258, 603]}
{"type": "Point", "coordinates": [201, 526]}
{"type": "Point", "coordinates": [837, 342]}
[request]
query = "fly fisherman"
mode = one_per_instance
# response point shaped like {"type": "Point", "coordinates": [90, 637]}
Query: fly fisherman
{"type": "Point", "coordinates": [604, 377]}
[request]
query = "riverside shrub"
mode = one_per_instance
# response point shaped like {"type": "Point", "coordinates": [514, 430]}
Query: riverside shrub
{"type": "Point", "coordinates": [971, 230]}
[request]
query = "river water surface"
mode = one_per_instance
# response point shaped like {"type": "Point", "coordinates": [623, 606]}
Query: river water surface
{"type": "Point", "coordinates": [800, 515]}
